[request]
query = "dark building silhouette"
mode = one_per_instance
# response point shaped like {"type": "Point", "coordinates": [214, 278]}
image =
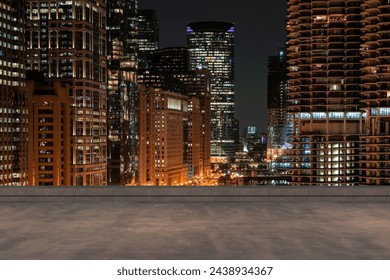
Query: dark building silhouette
{"type": "Point", "coordinates": [277, 100]}
{"type": "Point", "coordinates": [170, 60]}
{"type": "Point", "coordinates": [148, 36]}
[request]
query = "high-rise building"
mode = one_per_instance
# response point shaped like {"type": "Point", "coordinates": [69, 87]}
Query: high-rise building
{"type": "Point", "coordinates": [211, 46]}
{"type": "Point", "coordinates": [163, 122]}
{"type": "Point", "coordinates": [375, 158]}
{"type": "Point", "coordinates": [66, 40]}
{"type": "Point", "coordinates": [122, 110]}
{"type": "Point", "coordinates": [49, 133]}
{"type": "Point", "coordinates": [324, 91]}
{"type": "Point", "coordinates": [194, 87]}
{"type": "Point", "coordinates": [13, 97]}
{"type": "Point", "coordinates": [277, 101]}
{"type": "Point", "coordinates": [197, 88]}
{"type": "Point", "coordinates": [148, 36]}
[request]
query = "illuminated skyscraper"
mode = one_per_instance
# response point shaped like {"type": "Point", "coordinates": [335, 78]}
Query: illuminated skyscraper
{"type": "Point", "coordinates": [375, 160]}
{"type": "Point", "coordinates": [122, 108]}
{"type": "Point", "coordinates": [13, 97]}
{"type": "Point", "coordinates": [66, 40]}
{"type": "Point", "coordinates": [324, 90]}
{"type": "Point", "coordinates": [211, 46]}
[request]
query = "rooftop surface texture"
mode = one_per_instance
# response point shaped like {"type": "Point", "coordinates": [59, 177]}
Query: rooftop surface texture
{"type": "Point", "coordinates": [195, 230]}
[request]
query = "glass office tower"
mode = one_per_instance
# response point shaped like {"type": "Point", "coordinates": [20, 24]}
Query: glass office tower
{"type": "Point", "coordinates": [211, 46]}
{"type": "Point", "coordinates": [122, 111]}
{"type": "Point", "coordinates": [13, 97]}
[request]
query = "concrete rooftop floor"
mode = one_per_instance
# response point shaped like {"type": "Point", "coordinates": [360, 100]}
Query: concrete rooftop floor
{"type": "Point", "coordinates": [195, 230]}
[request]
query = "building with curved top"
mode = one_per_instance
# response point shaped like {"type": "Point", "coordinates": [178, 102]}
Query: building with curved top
{"type": "Point", "coordinates": [211, 46]}
{"type": "Point", "coordinates": [324, 90]}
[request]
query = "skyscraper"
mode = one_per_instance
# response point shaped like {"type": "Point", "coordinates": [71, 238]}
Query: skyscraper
{"type": "Point", "coordinates": [324, 91]}
{"type": "Point", "coordinates": [122, 111]}
{"type": "Point", "coordinates": [148, 35]}
{"type": "Point", "coordinates": [13, 97]}
{"type": "Point", "coordinates": [375, 158]}
{"type": "Point", "coordinates": [277, 100]}
{"type": "Point", "coordinates": [66, 40]}
{"type": "Point", "coordinates": [211, 46]}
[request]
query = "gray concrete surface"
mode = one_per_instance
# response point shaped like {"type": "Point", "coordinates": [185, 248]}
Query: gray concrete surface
{"type": "Point", "coordinates": [195, 230]}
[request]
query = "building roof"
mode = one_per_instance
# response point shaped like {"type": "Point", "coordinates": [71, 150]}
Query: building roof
{"type": "Point", "coordinates": [210, 26]}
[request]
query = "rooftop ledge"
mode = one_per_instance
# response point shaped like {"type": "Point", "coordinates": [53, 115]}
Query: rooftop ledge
{"type": "Point", "coordinates": [194, 194]}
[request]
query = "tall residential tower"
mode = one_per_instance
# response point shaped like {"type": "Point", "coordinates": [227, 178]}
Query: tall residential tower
{"type": "Point", "coordinates": [375, 159]}
{"type": "Point", "coordinates": [324, 90]}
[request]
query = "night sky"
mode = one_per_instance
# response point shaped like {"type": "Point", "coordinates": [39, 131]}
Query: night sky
{"type": "Point", "coordinates": [259, 33]}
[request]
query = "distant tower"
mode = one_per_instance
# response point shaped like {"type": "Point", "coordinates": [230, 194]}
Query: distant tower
{"type": "Point", "coordinates": [324, 91]}
{"type": "Point", "coordinates": [170, 60]}
{"type": "Point", "coordinates": [211, 46]}
{"type": "Point", "coordinates": [13, 96]}
{"type": "Point", "coordinates": [277, 100]}
{"type": "Point", "coordinates": [148, 35]}
{"type": "Point", "coordinates": [122, 110]}
{"type": "Point", "coordinates": [66, 40]}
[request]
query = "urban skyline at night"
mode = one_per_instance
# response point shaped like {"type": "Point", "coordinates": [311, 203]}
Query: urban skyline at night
{"type": "Point", "coordinates": [197, 139]}
{"type": "Point", "coordinates": [141, 114]}
{"type": "Point", "coordinates": [260, 31]}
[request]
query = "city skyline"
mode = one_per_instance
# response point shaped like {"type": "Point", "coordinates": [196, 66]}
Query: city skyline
{"type": "Point", "coordinates": [259, 33]}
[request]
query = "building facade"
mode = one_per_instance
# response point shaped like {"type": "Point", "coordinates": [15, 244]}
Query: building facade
{"type": "Point", "coordinates": [49, 134]}
{"type": "Point", "coordinates": [13, 97]}
{"type": "Point", "coordinates": [375, 158]}
{"type": "Point", "coordinates": [122, 101]}
{"type": "Point", "coordinates": [211, 46]}
{"type": "Point", "coordinates": [66, 40]}
{"type": "Point", "coordinates": [197, 89]}
{"type": "Point", "coordinates": [324, 91]}
{"type": "Point", "coordinates": [163, 121]}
